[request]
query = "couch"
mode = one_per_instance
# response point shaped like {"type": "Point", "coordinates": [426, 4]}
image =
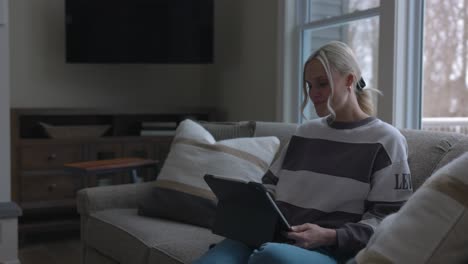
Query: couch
{"type": "Point", "coordinates": [113, 232]}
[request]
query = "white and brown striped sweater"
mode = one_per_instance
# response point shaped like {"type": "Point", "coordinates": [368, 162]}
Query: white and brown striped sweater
{"type": "Point", "coordinates": [345, 176]}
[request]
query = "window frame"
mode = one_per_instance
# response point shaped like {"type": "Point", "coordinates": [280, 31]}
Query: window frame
{"type": "Point", "coordinates": [400, 72]}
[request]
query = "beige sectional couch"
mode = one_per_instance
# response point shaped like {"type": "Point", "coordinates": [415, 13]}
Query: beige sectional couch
{"type": "Point", "coordinates": [113, 232]}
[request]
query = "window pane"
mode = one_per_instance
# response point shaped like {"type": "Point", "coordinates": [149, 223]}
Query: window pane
{"type": "Point", "coordinates": [445, 71]}
{"type": "Point", "coordinates": [321, 9]}
{"type": "Point", "coordinates": [361, 35]}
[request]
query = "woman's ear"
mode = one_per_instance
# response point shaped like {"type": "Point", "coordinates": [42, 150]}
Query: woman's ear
{"type": "Point", "coordinates": [349, 80]}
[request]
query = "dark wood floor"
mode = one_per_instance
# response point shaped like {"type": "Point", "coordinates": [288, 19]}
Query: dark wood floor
{"type": "Point", "coordinates": [51, 251]}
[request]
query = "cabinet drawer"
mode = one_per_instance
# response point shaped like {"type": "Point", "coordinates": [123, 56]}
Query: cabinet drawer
{"type": "Point", "coordinates": [49, 157]}
{"type": "Point", "coordinates": [49, 187]}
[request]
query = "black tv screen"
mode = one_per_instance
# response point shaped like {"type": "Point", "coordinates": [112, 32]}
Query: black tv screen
{"type": "Point", "coordinates": [139, 31]}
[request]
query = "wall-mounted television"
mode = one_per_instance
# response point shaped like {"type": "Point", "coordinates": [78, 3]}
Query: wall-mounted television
{"type": "Point", "coordinates": [139, 31]}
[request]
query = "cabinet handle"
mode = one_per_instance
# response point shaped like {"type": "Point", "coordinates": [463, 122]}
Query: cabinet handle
{"type": "Point", "coordinates": [51, 187]}
{"type": "Point", "coordinates": [52, 156]}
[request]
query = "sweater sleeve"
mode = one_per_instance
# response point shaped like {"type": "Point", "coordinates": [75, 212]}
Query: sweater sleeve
{"type": "Point", "coordinates": [390, 188]}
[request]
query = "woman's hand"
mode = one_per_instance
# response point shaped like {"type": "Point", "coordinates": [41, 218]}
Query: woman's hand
{"type": "Point", "coordinates": [312, 236]}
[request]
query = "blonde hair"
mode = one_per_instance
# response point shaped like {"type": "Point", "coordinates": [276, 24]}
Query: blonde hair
{"type": "Point", "coordinates": [338, 56]}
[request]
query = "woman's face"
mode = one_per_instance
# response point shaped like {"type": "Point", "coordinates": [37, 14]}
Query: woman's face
{"type": "Point", "coordinates": [319, 88]}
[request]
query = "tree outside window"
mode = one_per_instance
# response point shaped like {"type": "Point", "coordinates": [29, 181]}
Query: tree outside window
{"type": "Point", "coordinates": [445, 59]}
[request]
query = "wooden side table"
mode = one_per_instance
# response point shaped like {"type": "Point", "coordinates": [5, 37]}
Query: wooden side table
{"type": "Point", "coordinates": [88, 168]}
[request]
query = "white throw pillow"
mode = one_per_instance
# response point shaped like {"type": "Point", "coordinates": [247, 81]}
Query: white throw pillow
{"type": "Point", "coordinates": [181, 192]}
{"type": "Point", "coordinates": [431, 227]}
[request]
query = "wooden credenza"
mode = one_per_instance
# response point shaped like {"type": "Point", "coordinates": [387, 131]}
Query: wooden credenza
{"type": "Point", "coordinates": [41, 186]}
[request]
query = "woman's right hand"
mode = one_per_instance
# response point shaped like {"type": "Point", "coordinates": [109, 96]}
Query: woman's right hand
{"type": "Point", "coordinates": [311, 236]}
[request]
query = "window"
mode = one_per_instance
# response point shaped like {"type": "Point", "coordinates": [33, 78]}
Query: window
{"type": "Point", "coordinates": [445, 66]}
{"type": "Point", "coordinates": [351, 21]}
{"type": "Point", "coordinates": [415, 52]}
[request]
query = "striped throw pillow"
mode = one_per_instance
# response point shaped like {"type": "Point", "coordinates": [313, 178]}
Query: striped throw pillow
{"type": "Point", "coordinates": [431, 227]}
{"type": "Point", "coordinates": [180, 191]}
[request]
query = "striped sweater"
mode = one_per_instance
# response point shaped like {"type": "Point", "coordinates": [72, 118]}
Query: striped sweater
{"type": "Point", "coordinates": [341, 175]}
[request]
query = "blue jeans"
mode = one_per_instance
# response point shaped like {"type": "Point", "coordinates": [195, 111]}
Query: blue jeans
{"type": "Point", "coordinates": [234, 252]}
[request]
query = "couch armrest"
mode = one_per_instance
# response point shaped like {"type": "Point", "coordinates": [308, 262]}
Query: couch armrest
{"type": "Point", "coordinates": [94, 199]}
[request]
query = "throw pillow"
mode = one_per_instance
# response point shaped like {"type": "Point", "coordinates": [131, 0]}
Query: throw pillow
{"type": "Point", "coordinates": [430, 227]}
{"type": "Point", "coordinates": [228, 130]}
{"type": "Point", "coordinates": [180, 192]}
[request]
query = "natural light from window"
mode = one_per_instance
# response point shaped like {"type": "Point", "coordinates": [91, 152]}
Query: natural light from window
{"type": "Point", "coordinates": [361, 34]}
{"type": "Point", "coordinates": [445, 70]}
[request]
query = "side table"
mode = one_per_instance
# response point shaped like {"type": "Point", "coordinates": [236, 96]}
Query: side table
{"type": "Point", "coordinates": [89, 168]}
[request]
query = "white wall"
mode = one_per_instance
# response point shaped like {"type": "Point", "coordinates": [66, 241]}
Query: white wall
{"type": "Point", "coordinates": [244, 76]}
{"type": "Point", "coordinates": [241, 82]}
{"type": "Point", "coordinates": [4, 112]}
{"type": "Point", "coordinates": [8, 227]}
{"type": "Point", "coordinates": [41, 78]}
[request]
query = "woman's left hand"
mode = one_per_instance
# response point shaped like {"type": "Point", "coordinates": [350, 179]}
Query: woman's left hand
{"type": "Point", "coordinates": [312, 236]}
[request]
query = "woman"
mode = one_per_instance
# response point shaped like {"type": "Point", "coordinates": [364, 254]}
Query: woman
{"type": "Point", "coordinates": [338, 176]}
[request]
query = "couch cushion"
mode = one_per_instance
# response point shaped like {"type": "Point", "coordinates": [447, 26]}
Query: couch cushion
{"type": "Point", "coordinates": [228, 130]}
{"type": "Point", "coordinates": [283, 131]}
{"type": "Point", "coordinates": [455, 151]}
{"type": "Point", "coordinates": [126, 237]}
{"type": "Point", "coordinates": [430, 227]}
{"type": "Point", "coordinates": [426, 150]}
{"type": "Point", "coordinates": [180, 191]}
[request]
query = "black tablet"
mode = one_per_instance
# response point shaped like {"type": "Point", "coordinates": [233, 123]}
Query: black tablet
{"type": "Point", "coordinates": [246, 211]}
